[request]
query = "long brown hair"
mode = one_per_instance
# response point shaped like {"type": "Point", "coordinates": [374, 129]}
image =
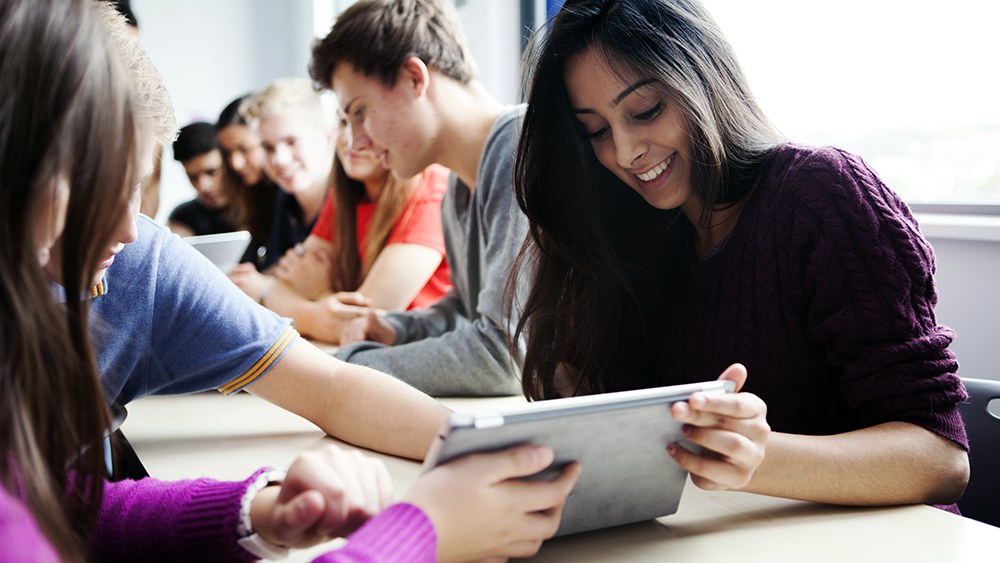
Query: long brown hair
{"type": "Point", "coordinates": [252, 206]}
{"type": "Point", "coordinates": [595, 248]}
{"type": "Point", "coordinates": [66, 113]}
{"type": "Point", "coordinates": [391, 204]}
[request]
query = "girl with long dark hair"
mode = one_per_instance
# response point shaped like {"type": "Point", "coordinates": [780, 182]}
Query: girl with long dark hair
{"type": "Point", "coordinates": [675, 235]}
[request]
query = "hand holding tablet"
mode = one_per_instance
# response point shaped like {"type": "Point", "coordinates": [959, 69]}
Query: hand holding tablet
{"type": "Point", "coordinates": [619, 439]}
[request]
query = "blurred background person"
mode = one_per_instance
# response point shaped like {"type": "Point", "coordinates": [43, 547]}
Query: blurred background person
{"type": "Point", "coordinates": [297, 135]}
{"type": "Point", "coordinates": [251, 193]}
{"type": "Point", "coordinates": [208, 213]}
{"type": "Point", "coordinates": [378, 242]}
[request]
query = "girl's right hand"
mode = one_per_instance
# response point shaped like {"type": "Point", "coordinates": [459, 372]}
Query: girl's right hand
{"type": "Point", "coordinates": [732, 428]}
{"type": "Point", "coordinates": [480, 509]}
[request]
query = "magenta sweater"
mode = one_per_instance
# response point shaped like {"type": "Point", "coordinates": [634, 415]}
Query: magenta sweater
{"type": "Point", "coordinates": [151, 520]}
{"type": "Point", "coordinates": [824, 290]}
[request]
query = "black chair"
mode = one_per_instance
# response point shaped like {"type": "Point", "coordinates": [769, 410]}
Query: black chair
{"type": "Point", "coordinates": [125, 463]}
{"type": "Point", "coordinates": [981, 500]}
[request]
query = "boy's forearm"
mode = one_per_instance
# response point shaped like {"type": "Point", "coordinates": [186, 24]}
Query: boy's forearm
{"type": "Point", "coordinates": [352, 403]}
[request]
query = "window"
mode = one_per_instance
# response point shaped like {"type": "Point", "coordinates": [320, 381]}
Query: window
{"type": "Point", "coordinates": [909, 85]}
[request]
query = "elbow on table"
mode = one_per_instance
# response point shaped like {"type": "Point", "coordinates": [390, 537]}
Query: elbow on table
{"type": "Point", "coordinates": [950, 477]}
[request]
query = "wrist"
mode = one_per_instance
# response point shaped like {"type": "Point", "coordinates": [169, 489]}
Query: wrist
{"type": "Point", "coordinates": [305, 315]}
{"type": "Point", "coordinates": [253, 528]}
{"type": "Point", "coordinates": [267, 290]}
{"type": "Point", "coordinates": [261, 508]}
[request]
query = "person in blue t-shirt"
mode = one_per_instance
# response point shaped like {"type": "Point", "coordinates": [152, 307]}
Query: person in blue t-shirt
{"type": "Point", "coordinates": [166, 321]}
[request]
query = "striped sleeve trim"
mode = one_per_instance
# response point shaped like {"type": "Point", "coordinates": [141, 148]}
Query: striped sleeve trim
{"type": "Point", "coordinates": [263, 364]}
{"type": "Point", "coordinates": [99, 289]}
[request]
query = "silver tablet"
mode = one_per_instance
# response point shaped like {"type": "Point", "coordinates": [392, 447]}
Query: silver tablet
{"type": "Point", "coordinates": [223, 249]}
{"type": "Point", "coordinates": [620, 439]}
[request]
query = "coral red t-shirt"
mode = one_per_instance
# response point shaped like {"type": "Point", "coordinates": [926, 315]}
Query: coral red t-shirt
{"type": "Point", "coordinates": [419, 223]}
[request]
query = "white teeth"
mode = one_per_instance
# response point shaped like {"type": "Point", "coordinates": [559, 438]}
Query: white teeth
{"type": "Point", "coordinates": [651, 174]}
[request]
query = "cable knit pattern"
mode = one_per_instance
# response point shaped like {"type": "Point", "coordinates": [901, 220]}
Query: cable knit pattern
{"type": "Point", "coordinates": [825, 291]}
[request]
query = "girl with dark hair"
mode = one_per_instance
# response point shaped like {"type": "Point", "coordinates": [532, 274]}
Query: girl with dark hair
{"type": "Point", "coordinates": [674, 236]}
{"type": "Point", "coordinates": [74, 144]}
{"type": "Point", "coordinates": [251, 194]}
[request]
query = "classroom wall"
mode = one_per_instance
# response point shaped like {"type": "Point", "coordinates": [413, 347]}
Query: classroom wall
{"type": "Point", "coordinates": [493, 31]}
{"type": "Point", "coordinates": [968, 283]}
{"type": "Point", "coordinates": [209, 53]}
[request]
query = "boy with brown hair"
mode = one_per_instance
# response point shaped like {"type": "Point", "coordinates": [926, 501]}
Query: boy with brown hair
{"type": "Point", "coordinates": [404, 78]}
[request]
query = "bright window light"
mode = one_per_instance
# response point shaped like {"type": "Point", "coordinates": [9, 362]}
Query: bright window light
{"type": "Point", "coordinates": [910, 85]}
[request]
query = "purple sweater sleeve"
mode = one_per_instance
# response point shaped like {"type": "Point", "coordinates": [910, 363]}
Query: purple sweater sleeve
{"type": "Point", "coordinates": [895, 358]}
{"type": "Point", "coordinates": [402, 533]}
{"type": "Point", "coordinates": [150, 520]}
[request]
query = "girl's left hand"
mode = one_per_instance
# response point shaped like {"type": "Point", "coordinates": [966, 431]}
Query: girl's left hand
{"type": "Point", "coordinates": [730, 427]}
{"type": "Point", "coordinates": [308, 271]}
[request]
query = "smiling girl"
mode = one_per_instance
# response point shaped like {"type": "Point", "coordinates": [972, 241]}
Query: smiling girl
{"type": "Point", "coordinates": [675, 235]}
{"type": "Point", "coordinates": [378, 242]}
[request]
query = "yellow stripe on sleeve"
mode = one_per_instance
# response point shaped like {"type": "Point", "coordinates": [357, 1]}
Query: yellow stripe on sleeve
{"type": "Point", "coordinates": [262, 364]}
{"type": "Point", "coordinates": [99, 289]}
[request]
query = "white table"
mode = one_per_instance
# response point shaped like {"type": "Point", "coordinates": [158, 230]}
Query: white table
{"type": "Point", "coordinates": [229, 437]}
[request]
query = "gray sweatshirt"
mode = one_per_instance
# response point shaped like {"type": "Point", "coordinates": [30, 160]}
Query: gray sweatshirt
{"type": "Point", "coordinates": [457, 346]}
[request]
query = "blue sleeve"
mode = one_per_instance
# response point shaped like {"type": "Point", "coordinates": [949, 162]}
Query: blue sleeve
{"type": "Point", "coordinates": [173, 323]}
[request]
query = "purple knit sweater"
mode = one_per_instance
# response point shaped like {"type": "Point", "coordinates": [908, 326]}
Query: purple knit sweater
{"type": "Point", "coordinates": [824, 290]}
{"type": "Point", "coordinates": [151, 520]}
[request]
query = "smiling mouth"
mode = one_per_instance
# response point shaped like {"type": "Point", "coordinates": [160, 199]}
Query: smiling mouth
{"type": "Point", "coordinates": [361, 154]}
{"type": "Point", "coordinates": [654, 172]}
{"type": "Point", "coordinates": [107, 262]}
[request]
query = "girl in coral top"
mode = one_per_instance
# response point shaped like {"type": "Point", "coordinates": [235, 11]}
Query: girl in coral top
{"type": "Point", "coordinates": [379, 245]}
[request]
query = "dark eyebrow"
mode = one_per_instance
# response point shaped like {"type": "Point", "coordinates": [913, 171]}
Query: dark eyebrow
{"type": "Point", "coordinates": [347, 108]}
{"type": "Point", "coordinates": [621, 96]}
{"type": "Point", "coordinates": [618, 99]}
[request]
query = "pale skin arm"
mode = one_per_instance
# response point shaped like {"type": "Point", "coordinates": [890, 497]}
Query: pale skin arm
{"type": "Point", "coordinates": [308, 268]}
{"type": "Point", "coordinates": [887, 464]}
{"type": "Point", "coordinates": [394, 280]}
{"type": "Point", "coordinates": [352, 403]}
{"type": "Point", "coordinates": [398, 274]}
